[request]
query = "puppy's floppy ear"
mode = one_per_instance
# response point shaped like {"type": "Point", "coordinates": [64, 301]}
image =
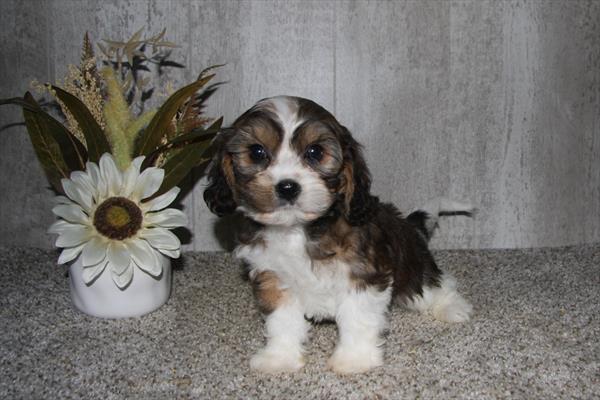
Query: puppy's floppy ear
{"type": "Point", "coordinates": [359, 206]}
{"type": "Point", "coordinates": [218, 195]}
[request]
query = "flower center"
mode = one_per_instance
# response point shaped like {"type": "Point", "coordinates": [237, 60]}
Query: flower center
{"type": "Point", "coordinates": [118, 218]}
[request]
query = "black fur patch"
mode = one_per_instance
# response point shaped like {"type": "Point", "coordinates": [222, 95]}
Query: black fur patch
{"type": "Point", "coordinates": [418, 219]}
{"type": "Point", "coordinates": [218, 195]}
{"type": "Point", "coordinates": [400, 245]}
{"type": "Point", "coordinates": [386, 250]}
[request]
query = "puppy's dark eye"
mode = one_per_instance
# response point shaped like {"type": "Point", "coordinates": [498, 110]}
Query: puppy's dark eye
{"type": "Point", "coordinates": [257, 152]}
{"type": "Point", "coordinates": [314, 153]}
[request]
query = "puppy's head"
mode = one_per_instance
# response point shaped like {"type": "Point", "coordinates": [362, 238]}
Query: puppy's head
{"type": "Point", "coordinates": [287, 161]}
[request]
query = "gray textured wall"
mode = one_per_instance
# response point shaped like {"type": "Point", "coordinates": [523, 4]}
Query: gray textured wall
{"type": "Point", "coordinates": [495, 102]}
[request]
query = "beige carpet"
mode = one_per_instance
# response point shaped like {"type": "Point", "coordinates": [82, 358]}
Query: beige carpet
{"type": "Point", "coordinates": [535, 335]}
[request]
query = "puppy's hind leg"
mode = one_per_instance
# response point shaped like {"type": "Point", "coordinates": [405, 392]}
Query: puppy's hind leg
{"type": "Point", "coordinates": [443, 301]}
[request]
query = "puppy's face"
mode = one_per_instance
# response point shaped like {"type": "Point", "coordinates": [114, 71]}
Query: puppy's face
{"type": "Point", "coordinates": [286, 161]}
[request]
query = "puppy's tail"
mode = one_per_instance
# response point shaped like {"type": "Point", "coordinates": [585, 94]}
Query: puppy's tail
{"type": "Point", "coordinates": [425, 218]}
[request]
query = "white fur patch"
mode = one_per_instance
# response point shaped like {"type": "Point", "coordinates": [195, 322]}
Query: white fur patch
{"type": "Point", "coordinates": [287, 112]}
{"type": "Point", "coordinates": [286, 332]}
{"type": "Point", "coordinates": [361, 319]}
{"type": "Point", "coordinates": [320, 291]}
{"type": "Point", "coordinates": [444, 302]}
{"type": "Point", "coordinates": [318, 287]}
{"type": "Point", "coordinates": [314, 198]}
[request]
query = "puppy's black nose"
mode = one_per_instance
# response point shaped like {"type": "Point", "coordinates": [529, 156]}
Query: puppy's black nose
{"type": "Point", "coordinates": [288, 190]}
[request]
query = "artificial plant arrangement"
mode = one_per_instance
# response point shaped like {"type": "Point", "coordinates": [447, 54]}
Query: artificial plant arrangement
{"type": "Point", "coordinates": [115, 165]}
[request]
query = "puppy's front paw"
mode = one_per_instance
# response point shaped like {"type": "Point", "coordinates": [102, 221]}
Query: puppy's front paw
{"type": "Point", "coordinates": [351, 360]}
{"type": "Point", "coordinates": [272, 361]}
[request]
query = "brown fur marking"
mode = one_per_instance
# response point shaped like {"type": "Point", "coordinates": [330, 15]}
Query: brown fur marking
{"type": "Point", "coordinates": [267, 292]}
{"type": "Point", "coordinates": [227, 168]}
{"type": "Point", "coordinates": [347, 185]}
{"type": "Point", "coordinates": [260, 194]}
{"type": "Point", "coordinates": [317, 133]}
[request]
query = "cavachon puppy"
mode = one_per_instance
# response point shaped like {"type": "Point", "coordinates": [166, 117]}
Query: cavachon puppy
{"type": "Point", "coordinates": [317, 244]}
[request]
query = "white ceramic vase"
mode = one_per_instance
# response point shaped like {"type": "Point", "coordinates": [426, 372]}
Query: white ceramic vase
{"type": "Point", "coordinates": [103, 298]}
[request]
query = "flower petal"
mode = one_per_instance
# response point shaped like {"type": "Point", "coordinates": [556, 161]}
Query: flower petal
{"type": "Point", "coordinates": [118, 257]}
{"type": "Point", "coordinates": [83, 179]}
{"type": "Point", "coordinates": [171, 253]}
{"type": "Point", "coordinates": [160, 238]}
{"type": "Point", "coordinates": [148, 183]}
{"type": "Point", "coordinates": [145, 257]}
{"type": "Point", "coordinates": [97, 180]}
{"type": "Point", "coordinates": [73, 236]}
{"type": "Point", "coordinates": [61, 200]}
{"type": "Point", "coordinates": [91, 273]}
{"type": "Point", "coordinates": [162, 201]}
{"type": "Point", "coordinates": [122, 280]}
{"type": "Point", "coordinates": [72, 213]}
{"type": "Point", "coordinates": [94, 251]}
{"type": "Point", "coordinates": [169, 218]}
{"type": "Point", "coordinates": [131, 175]}
{"type": "Point", "coordinates": [77, 193]}
{"type": "Point", "coordinates": [69, 254]}
{"type": "Point", "coordinates": [142, 254]}
{"type": "Point", "coordinates": [59, 227]}
{"type": "Point", "coordinates": [111, 174]}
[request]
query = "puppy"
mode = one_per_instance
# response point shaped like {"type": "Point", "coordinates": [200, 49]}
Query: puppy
{"type": "Point", "coordinates": [317, 243]}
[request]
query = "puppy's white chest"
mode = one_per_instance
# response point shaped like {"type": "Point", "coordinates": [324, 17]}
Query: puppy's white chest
{"type": "Point", "coordinates": [319, 287]}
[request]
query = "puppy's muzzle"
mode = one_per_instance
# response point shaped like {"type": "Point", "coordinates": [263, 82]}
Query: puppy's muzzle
{"type": "Point", "coordinates": [288, 190]}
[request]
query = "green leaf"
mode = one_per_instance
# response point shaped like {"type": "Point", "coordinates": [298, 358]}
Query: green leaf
{"type": "Point", "coordinates": [165, 43]}
{"type": "Point", "coordinates": [136, 36]}
{"type": "Point", "coordinates": [103, 50]}
{"type": "Point", "coordinates": [176, 168]}
{"type": "Point", "coordinates": [18, 101]}
{"type": "Point", "coordinates": [38, 122]}
{"type": "Point", "coordinates": [56, 148]}
{"type": "Point", "coordinates": [114, 43]}
{"type": "Point", "coordinates": [73, 151]}
{"type": "Point", "coordinates": [160, 35]}
{"type": "Point", "coordinates": [208, 69]}
{"type": "Point", "coordinates": [151, 136]}
{"type": "Point", "coordinates": [196, 135]}
{"type": "Point", "coordinates": [96, 142]}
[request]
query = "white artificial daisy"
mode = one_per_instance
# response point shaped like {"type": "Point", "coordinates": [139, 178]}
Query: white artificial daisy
{"type": "Point", "coordinates": [105, 219]}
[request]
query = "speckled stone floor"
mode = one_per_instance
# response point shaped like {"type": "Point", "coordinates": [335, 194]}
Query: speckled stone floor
{"type": "Point", "coordinates": [535, 334]}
